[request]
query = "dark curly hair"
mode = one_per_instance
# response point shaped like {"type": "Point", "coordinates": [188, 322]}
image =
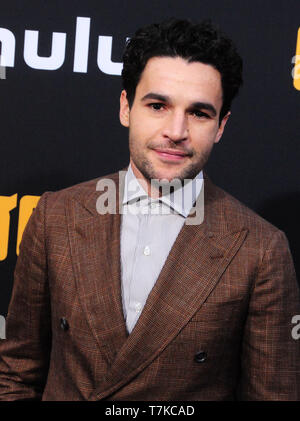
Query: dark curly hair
{"type": "Point", "coordinates": [201, 42]}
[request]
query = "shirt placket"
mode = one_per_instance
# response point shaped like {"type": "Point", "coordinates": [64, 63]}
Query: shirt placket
{"type": "Point", "coordinates": [141, 269]}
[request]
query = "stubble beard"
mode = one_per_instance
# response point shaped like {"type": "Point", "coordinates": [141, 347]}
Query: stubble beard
{"type": "Point", "coordinates": [146, 167]}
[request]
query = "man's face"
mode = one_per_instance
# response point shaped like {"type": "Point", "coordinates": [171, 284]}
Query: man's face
{"type": "Point", "coordinates": [174, 119]}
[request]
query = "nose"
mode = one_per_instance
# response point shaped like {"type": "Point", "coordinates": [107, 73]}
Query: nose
{"type": "Point", "coordinates": [176, 126]}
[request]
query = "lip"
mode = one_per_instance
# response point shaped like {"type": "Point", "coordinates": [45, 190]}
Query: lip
{"type": "Point", "coordinates": [171, 154]}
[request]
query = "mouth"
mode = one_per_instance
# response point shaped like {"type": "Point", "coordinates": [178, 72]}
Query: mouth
{"type": "Point", "coordinates": [171, 154]}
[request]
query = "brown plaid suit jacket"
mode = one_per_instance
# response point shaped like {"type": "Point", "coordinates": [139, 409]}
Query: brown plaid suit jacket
{"type": "Point", "coordinates": [227, 291]}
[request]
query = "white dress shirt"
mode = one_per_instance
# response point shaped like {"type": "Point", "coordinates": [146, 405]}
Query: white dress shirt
{"type": "Point", "coordinates": [149, 228]}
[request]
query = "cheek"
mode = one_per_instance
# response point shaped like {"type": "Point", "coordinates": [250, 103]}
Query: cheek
{"type": "Point", "coordinates": [143, 131]}
{"type": "Point", "coordinates": [203, 136]}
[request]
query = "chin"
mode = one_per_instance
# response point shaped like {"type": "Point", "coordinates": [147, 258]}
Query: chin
{"type": "Point", "coordinates": [168, 176]}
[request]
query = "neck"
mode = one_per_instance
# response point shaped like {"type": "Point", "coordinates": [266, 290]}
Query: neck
{"type": "Point", "coordinates": [149, 188]}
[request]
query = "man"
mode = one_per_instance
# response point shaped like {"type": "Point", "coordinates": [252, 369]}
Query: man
{"type": "Point", "coordinates": [143, 305]}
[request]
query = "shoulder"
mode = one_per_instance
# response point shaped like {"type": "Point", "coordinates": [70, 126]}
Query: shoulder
{"type": "Point", "coordinates": [81, 192]}
{"type": "Point", "coordinates": [235, 215]}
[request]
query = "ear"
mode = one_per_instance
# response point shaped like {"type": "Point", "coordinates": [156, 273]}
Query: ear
{"type": "Point", "coordinates": [222, 126]}
{"type": "Point", "coordinates": [124, 109]}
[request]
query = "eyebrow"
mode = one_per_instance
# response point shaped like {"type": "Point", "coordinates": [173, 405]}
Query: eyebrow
{"type": "Point", "coordinates": [204, 106]}
{"type": "Point", "coordinates": [159, 97]}
{"type": "Point", "coordinates": [195, 105]}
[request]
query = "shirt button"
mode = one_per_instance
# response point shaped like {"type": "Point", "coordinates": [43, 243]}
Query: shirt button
{"type": "Point", "coordinates": [147, 251]}
{"type": "Point", "coordinates": [138, 307]}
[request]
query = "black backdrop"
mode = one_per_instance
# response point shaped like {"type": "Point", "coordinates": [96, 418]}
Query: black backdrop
{"type": "Point", "coordinates": [61, 127]}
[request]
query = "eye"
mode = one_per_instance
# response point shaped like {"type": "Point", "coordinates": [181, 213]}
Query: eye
{"type": "Point", "coordinates": [199, 114]}
{"type": "Point", "coordinates": [156, 106]}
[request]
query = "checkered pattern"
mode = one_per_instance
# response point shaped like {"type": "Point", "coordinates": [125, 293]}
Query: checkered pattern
{"type": "Point", "coordinates": [227, 290]}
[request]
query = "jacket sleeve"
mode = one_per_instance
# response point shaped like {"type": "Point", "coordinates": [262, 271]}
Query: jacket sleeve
{"type": "Point", "coordinates": [24, 354]}
{"type": "Point", "coordinates": [270, 361]}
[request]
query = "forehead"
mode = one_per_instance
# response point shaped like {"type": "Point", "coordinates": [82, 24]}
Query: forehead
{"type": "Point", "coordinates": [177, 78]}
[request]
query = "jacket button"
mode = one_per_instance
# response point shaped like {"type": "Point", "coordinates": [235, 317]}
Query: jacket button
{"type": "Point", "coordinates": [64, 323]}
{"type": "Point", "coordinates": [200, 357]}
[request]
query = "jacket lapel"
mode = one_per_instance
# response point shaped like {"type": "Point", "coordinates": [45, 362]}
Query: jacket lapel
{"type": "Point", "coordinates": [95, 251]}
{"type": "Point", "coordinates": [196, 262]}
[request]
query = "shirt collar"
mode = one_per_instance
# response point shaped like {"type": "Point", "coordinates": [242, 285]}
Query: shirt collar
{"type": "Point", "coordinates": [181, 200]}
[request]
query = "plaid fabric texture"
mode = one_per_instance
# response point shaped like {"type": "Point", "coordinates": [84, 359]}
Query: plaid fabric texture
{"type": "Point", "coordinates": [216, 325]}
